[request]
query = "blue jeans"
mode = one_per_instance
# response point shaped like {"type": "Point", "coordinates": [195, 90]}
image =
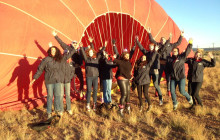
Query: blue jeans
{"type": "Point", "coordinates": [156, 85]}
{"type": "Point", "coordinates": [107, 86]}
{"type": "Point", "coordinates": [65, 87]}
{"type": "Point", "coordinates": [91, 81]}
{"type": "Point", "coordinates": [181, 84]}
{"type": "Point", "coordinates": [53, 89]}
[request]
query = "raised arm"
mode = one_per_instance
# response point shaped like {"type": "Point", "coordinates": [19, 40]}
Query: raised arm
{"type": "Point", "coordinates": [68, 54]}
{"type": "Point", "coordinates": [101, 50]}
{"type": "Point", "coordinates": [91, 44]}
{"type": "Point", "coordinates": [174, 45]}
{"type": "Point", "coordinates": [62, 44]}
{"type": "Point", "coordinates": [132, 52]}
{"type": "Point", "coordinates": [150, 36]}
{"type": "Point", "coordinates": [115, 48]}
{"type": "Point", "coordinates": [83, 52]}
{"type": "Point", "coordinates": [143, 50]}
{"type": "Point", "coordinates": [208, 63]}
{"type": "Point", "coordinates": [188, 49]}
{"type": "Point", "coordinates": [40, 69]}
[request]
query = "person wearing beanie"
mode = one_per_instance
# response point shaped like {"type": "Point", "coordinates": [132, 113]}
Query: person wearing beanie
{"type": "Point", "coordinates": [164, 56]}
{"type": "Point", "coordinates": [195, 75]}
{"type": "Point", "coordinates": [177, 72]}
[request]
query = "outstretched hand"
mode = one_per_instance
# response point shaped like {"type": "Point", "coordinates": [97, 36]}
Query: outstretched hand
{"type": "Point", "coordinates": [90, 39]}
{"type": "Point", "coordinates": [182, 33]}
{"type": "Point", "coordinates": [190, 41]}
{"type": "Point", "coordinates": [54, 33]}
{"type": "Point", "coordinates": [106, 42]}
{"type": "Point", "coordinates": [171, 35]}
{"type": "Point", "coordinates": [211, 55]}
{"type": "Point", "coordinates": [148, 30]}
{"type": "Point", "coordinates": [50, 44]}
{"type": "Point", "coordinates": [32, 82]}
{"type": "Point", "coordinates": [156, 47]}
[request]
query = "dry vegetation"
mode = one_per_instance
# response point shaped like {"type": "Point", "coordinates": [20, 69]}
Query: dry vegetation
{"type": "Point", "coordinates": [159, 123]}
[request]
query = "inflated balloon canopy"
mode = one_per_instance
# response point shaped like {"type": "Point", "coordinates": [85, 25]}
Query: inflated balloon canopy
{"type": "Point", "coordinates": [26, 29]}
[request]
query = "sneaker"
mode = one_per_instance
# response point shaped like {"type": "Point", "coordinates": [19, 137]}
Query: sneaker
{"type": "Point", "coordinates": [161, 102]}
{"type": "Point", "coordinates": [120, 112]}
{"type": "Point", "coordinates": [88, 108]}
{"type": "Point", "coordinates": [70, 112]}
{"type": "Point", "coordinates": [129, 110]}
{"type": "Point", "coordinates": [149, 108]}
{"type": "Point", "coordinates": [141, 109]}
{"type": "Point", "coordinates": [175, 106]}
{"type": "Point", "coordinates": [60, 113]}
{"type": "Point", "coordinates": [191, 101]}
{"type": "Point", "coordinates": [49, 115]}
{"type": "Point", "coordinates": [94, 107]}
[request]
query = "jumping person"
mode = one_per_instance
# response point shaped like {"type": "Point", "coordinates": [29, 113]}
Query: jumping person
{"type": "Point", "coordinates": [51, 66]}
{"type": "Point", "coordinates": [123, 76]}
{"type": "Point", "coordinates": [154, 72]}
{"type": "Point", "coordinates": [195, 75]}
{"type": "Point", "coordinates": [177, 73]}
{"type": "Point", "coordinates": [142, 77]}
{"type": "Point", "coordinates": [164, 56]}
{"type": "Point", "coordinates": [92, 73]}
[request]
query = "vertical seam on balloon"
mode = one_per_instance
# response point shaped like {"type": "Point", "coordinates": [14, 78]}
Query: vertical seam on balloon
{"type": "Point", "coordinates": [95, 16]}
{"type": "Point", "coordinates": [121, 27]}
{"type": "Point", "coordinates": [109, 22]}
{"type": "Point", "coordinates": [161, 28]}
{"type": "Point", "coordinates": [132, 25]}
{"type": "Point", "coordinates": [35, 18]}
{"type": "Point", "coordinates": [143, 31]}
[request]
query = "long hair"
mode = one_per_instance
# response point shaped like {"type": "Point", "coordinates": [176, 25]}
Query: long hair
{"type": "Point", "coordinates": [199, 51]}
{"type": "Point", "coordinates": [94, 53]}
{"type": "Point", "coordinates": [58, 56]}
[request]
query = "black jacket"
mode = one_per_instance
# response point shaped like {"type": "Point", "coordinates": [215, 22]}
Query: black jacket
{"type": "Point", "coordinates": [91, 64]}
{"type": "Point", "coordinates": [168, 46]}
{"type": "Point", "coordinates": [76, 57]}
{"type": "Point", "coordinates": [195, 73]}
{"type": "Point", "coordinates": [149, 55]}
{"type": "Point", "coordinates": [67, 69]}
{"type": "Point", "coordinates": [52, 70]}
{"type": "Point", "coordinates": [107, 69]}
{"type": "Point", "coordinates": [141, 73]}
{"type": "Point", "coordinates": [176, 65]}
{"type": "Point", "coordinates": [124, 66]}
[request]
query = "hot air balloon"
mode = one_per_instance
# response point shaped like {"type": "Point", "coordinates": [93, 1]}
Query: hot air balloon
{"type": "Point", "coordinates": [26, 28]}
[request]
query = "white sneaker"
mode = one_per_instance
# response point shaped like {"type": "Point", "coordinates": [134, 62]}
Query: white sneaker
{"type": "Point", "coordinates": [175, 106]}
{"type": "Point", "coordinates": [49, 116]}
{"type": "Point", "coordinates": [60, 113]}
{"type": "Point", "coordinates": [70, 112]}
{"type": "Point", "coordinates": [88, 108]}
{"type": "Point", "coordinates": [191, 101]}
{"type": "Point", "coordinates": [161, 102]}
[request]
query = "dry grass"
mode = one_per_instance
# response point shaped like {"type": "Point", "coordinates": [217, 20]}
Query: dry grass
{"type": "Point", "coordinates": [159, 123]}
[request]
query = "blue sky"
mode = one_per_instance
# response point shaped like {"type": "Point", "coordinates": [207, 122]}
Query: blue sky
{"type": "Point", "coordinates": [200, 19]}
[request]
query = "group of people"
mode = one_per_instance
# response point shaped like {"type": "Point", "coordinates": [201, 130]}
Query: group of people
{"type": "Point", "coordinates": [59, 71]}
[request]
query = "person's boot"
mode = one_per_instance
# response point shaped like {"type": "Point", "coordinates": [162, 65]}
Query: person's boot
{"type": "Point", "coordinates": [129, 109]}
{"type": "Point", "coordinates": [121, 112]}
{"type": "Point", "coordinates": [169, 93]}
{"type": "Point", "coordinates": [141, 108]}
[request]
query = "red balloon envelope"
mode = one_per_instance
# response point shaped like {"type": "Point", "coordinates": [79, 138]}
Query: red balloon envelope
{"type": "Point", "coordinates": [26, 29]}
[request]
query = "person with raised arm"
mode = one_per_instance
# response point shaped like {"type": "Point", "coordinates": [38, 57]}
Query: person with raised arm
{"type": "Point", "coordinates": [142, 78]}
{"type": "Point", "coordinates": [177, 73]}
{"type": "Point", "coordinates": [77, 61]}
{"type": "Point", "coordinates": [92, 72]}
{"type": "Point", "coordinates": [195, 75]}
{"type": "Point", "coordinates": [164, 56]}
{"type": "Point", "coordinates": [123, 76]}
